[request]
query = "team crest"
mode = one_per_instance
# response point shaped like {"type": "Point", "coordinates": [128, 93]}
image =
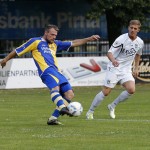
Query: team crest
{"type": "Point", "coordinates": [108, 81]}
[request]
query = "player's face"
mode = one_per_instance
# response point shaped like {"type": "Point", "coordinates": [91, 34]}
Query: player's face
{"type": "Point", "coordinates": [133, 30]}
{"type": "Point", "coordinates": [50, 35]}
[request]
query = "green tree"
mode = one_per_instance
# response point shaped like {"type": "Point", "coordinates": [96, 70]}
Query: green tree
{"type": "Point", "coordinates": [119, 13]}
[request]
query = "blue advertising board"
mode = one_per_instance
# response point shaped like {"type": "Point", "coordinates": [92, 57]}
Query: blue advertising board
{"type": "Point", "coordinates": [26, 19]}
{"type": "Point", "coordinates": [23, 19]}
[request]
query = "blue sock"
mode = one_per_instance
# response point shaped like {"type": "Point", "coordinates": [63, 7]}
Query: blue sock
{"type": "Point", "coordinates": [56, 113]}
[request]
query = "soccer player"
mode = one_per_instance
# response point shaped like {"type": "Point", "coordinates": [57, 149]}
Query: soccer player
{"type": "Point", "coordinates": [44, 50]}
{"type": "Point", "coordinates": [125, 50]}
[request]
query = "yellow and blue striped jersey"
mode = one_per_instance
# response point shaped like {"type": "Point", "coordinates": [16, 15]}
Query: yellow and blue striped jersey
{"type": "Point", "coordinates": [44, 53]}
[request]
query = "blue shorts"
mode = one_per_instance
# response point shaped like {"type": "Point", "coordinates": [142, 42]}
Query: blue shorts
{"type": "Point", "coordinates": [52, 78]}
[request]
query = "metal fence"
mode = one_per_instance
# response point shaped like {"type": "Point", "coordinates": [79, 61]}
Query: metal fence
{"type": "Point", "coordinates": [96, 48]}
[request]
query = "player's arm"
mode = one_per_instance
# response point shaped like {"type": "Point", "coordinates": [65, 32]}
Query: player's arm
{"type": "Point", "coordinates": [24, 48]}
{"type": "Point", "coordinates": [112, 59]}
{"type": "Point", "coordinates": [136, 65]}
{"type": "Point", "coordinates": [7, 58]}
{"type": "Point", "coordinates": [79, 42]}
{"type": "Point", "coordinates": [114, 50]}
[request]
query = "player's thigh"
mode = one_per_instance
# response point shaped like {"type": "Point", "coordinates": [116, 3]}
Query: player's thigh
{"type": "Point", "coordinates": [128, 82]}
{"type": "Point", "coordinates": [51, 78]}
{"type": "Point", "coordinates": [126, 77]}
{"type": "Point", "coordinates": [50, 81]}
{"type": "Point", "coordinates": [66, 90]}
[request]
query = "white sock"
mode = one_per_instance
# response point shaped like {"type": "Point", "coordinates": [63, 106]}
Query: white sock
{"type": "Point", "coordinates": [122, 97]}
{"type": "Point", "coordinates": [97, 100]}
{"type": "Point", "coordinates": [52, 117]}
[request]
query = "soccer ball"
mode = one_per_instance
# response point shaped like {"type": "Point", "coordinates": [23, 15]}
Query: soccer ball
{"type": "Point", "coordinates": [75, 108]}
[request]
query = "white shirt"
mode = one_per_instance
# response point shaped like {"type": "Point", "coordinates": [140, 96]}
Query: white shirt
{"type": "Point", "coordinates": [124, 51]}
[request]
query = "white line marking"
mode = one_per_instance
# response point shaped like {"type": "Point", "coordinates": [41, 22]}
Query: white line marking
{"type": "Point", "coordinates": [122, 120]}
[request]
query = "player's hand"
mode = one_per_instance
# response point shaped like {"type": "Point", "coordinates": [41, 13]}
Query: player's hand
{"type": "Point", "coordinates": [3, 63]}
{"type": "Point", "coordinates": [95, 37]}
{"type": "Point", "coordinates": [135, 73]}
{"type": "Point", "coordinates": [115, 63]}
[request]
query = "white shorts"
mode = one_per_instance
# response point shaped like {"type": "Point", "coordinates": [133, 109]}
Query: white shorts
{"type": "Point", "coordinates": [112, 78]}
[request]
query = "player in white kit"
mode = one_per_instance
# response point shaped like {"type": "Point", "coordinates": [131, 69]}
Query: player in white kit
{"type": "Point", "coordinates": [125, 50]}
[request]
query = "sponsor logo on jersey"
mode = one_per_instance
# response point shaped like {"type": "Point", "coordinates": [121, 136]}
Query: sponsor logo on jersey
{"type": "Point", "coordinates": [130, 52]}
{"type": "Point", "coordinates": [45, 49]}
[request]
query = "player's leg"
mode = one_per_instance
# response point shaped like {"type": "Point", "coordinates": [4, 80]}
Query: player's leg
{"type": "Point", "coordinates": [97, 101]}
{"type": "Point", "coordinates": [53, 120]}
{"type": "Point", "coordinates": [130, 89]}
{"type": "Point", "coordinates": [51, 78]}
{"type": "Point", "coordinates": [65, 90]}
{"type": "Point", "coordinates": [129, 84]}
{"type": "Point", "coordinates": [67, 94]}
{"type": "Point", "coordinates": [109, 83]}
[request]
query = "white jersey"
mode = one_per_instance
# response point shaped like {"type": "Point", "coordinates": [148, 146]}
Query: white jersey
{"type": "Point", "coordinates": [124, 51]}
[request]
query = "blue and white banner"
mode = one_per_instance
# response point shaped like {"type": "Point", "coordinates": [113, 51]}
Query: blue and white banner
{"type": "Point", "coordinates": [80, 71]}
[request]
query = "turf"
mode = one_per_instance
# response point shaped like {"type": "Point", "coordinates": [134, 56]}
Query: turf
{"type": "Point", "coordinates": [24, 113]}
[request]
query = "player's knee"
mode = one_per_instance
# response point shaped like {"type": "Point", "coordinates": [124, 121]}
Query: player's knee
{"type": "Point", "coordinates": [106, 91]}
{"type": "Point", "coordinates": [69, 95]}
{"type": "Point", "coordinates": [131, 91]}
{"type": "Point", "coordinates": [106, 94]}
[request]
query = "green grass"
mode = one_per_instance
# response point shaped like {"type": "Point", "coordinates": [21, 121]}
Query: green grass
{"type": "Point", "coordinates": [24, 113]}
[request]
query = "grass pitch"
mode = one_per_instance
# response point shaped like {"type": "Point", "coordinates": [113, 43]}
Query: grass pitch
{"type": "Point", "coordinates": [24, 113]}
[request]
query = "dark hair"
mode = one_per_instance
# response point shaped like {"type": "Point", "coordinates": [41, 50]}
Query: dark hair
{"type": "Point", "coordinates": [49, 26]}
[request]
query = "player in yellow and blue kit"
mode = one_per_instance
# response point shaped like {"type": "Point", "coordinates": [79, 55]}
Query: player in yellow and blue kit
{"type": "Point", "coordinates": [44, 50]}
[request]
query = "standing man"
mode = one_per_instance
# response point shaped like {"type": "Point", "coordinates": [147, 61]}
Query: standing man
{"type": "Point", "coordinates": [125, 49]}
{"type": "Point", "coordinates": [44, 50]}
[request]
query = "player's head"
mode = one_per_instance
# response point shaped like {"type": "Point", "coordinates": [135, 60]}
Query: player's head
{"type": "Point", "coordinates": [134, 28]}
{"type": "Point", "coordinates": [50, 33]}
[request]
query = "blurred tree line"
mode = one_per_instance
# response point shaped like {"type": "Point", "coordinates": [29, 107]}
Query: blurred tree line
{"type": "Point", "coordinates": [119, 13]}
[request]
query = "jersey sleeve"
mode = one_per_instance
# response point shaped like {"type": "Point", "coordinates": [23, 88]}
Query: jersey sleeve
{"type": "Point", "coordinates": [26, 47]}
{"type": "Point", "coordinates": [141, 48]}
{"type": "Point", "coordinates": [116, 46]}
{"type": "Point", "coordinates": [63, 45]}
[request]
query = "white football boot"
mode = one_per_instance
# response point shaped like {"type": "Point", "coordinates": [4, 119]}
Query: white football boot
{"type": "Point", "coordinates": [89, 115]}
{"type": "Point", "coordinates": [111, 111]}
{"type": "Point", "coordinates": [53, 121]}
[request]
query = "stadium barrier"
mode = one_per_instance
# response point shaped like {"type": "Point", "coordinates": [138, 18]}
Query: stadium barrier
{"type": "Point", "coordinates": [80, 71]}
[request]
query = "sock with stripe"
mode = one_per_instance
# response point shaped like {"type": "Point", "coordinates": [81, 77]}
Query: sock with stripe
{"type": "Point", "coordinates": [57, 99]}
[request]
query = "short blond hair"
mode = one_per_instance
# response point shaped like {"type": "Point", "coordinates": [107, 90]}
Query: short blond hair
{"type": "Point", "coordinates": [135, 22]}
